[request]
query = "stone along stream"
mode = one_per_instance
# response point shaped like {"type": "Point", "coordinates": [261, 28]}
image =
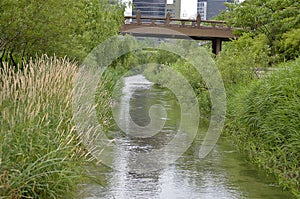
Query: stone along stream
{"type": "Point", "coordinates": [223, 174]}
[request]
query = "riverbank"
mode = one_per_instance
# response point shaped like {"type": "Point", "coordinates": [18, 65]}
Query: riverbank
{"type": "Point", "coordinates": [263, 120]}
{"type": "Point", "coordinates": [41, 154]}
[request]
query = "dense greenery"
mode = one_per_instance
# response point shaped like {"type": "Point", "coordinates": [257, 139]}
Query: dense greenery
{"type": "Point", "coordinates": [240, 58]}
{"type": "Point", "coordinates": [264, 120]}
{"type": "Point", "coordinates": [40, 155]}
{"type": "Point", "coordinates": [156, 73]}
{"type": "Point", "coordinates": [278, 20]}
{"type": "Point", "coordinates": [263, 90]}
{"type": "Point", "coordinates": [71, 28]}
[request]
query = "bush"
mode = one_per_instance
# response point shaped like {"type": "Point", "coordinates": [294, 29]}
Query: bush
{"type": "Point", "coordinates": [160, 74]}
{"type": "Point", "coordinates": [290, 44]}
{"type": "Point", "coordinates": [240, 58]}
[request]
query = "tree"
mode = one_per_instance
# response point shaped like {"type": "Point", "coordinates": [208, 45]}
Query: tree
{"type": "Point", "coordinates": [72, 28]}
{"type": "Point", "coordinates": [270, 17]}
{"type": "Point", "coordinates": [290, 44]}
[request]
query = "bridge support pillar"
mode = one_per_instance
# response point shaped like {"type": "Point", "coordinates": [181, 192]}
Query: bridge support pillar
{"type": "Point", "coordinates": [216, 45]}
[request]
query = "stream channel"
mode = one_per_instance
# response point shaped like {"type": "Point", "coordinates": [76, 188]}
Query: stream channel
{"type": "Point", "coordinates": [224, 174]}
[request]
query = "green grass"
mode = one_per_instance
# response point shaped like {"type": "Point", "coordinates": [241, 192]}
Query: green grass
{"type": "Point", "coordinates": [41, 156]}
{"type": "Point", "coordinates": [264, 119]}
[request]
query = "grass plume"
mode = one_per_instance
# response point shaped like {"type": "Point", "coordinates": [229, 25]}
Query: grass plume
{"type": "Point", "coordinates": [39, 147]}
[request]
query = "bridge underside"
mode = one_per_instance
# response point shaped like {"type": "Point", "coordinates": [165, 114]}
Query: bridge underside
{"type": "Point", "coordinates": [204, 33]}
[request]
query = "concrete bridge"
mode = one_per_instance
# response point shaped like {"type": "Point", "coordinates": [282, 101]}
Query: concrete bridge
{"type": "Point", "coordinates": [215, 31]}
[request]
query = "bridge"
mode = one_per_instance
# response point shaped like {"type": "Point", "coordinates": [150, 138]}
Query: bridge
{"type": "Point", "coordinates": [212, 30]}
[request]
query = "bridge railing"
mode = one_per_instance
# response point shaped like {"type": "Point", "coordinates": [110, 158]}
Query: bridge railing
{"type": "Point", "coordinates": [168, 21]}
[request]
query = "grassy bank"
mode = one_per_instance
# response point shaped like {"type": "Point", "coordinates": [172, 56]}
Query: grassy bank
{"type": "Point", "coordinates": [263, 109]}
{"type": "Point", "coordinates": [40, 152]}
{"type": "Point", "coordinates": [264, 120]}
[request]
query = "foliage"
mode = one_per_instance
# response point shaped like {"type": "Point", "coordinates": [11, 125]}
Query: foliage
{"type": "Point", "coordinates": [272, 18]}
{"type": "Point", "coordinates": [101, 19]}
{"type": "Point", "coordinates": [264, 120]}
{"type": "Point", "coordinates": [40, 151]}
{"type": "Point", "coordinates": [290, 44]}
{"type": "Point", "coordinates": [126, 60]}
{"type": "Point", "coordinates": [263, 112]}
{"type": "Point", "coordinates": [241, 58]}
{"type": "Point", "coordinates": [158, 73]}
{"type": "Point", "coordinates": [71, 28]}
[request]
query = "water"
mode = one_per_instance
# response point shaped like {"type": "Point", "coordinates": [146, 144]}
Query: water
{"type": "Point", "coordinates": [224, 174]}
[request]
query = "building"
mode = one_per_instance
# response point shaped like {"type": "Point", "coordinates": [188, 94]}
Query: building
{"type": "Point", "coordinates": [211, 8]}
{"type": "Point", "coordinates": [150, 8]}
{"type": "Point", "coordinates": [202, 9]}
{"type": "Point", "coordinates": [173, 7]}
{"type": "Point", "coordinates": [188, 9]}
{"type": "Point", "coordinates": [128, 9]}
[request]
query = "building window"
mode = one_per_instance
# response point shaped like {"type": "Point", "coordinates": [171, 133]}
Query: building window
{"type": "Point", "coordinates": [202, 9]}
{"type": "Point", "coordinates": [151, 8]}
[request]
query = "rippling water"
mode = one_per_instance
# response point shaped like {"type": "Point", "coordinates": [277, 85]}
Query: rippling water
{"type": "Point", "coordinates": [224, 174]}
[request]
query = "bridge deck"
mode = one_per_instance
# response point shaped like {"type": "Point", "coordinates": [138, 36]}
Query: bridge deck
{"type": "Point", "coordinates": [216, 31]}
{"type": "Point", "coordinates": [205, 33]}
{"type": "Point", "coordinates": [198, 29]}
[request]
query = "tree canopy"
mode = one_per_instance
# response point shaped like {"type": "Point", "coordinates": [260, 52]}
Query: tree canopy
{"type": "Point", "coordinates": [67, 27]}
{"type": "Point", "coordinates": [277, 19]}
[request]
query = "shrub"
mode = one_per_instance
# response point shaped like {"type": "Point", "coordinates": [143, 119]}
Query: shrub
{"type": "Point", "coordinates": [239, 59]}
{"type": "Point", "coordinates": [290, 44]}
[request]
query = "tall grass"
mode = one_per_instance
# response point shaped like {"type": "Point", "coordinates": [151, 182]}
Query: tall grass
{"type": "Point", "coordinates": [265, 122]}
{"type": "Point", "coordinates": [39, 148]}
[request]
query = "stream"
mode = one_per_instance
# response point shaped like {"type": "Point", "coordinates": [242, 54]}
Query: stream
{"type": "Point", "coordinates": [224, 174]}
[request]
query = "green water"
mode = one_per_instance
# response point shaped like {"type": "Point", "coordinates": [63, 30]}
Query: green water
{"type": "Point", "coordinates": [224, 173]}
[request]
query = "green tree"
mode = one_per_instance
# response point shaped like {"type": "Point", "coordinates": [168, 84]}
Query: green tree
{"type": "Point", "coordinates": [290, 44]}
{"type": "Point", "coordinates": [272, 18]}
{"type": "Point", "coordinates": [99, 20]}
{"type": "Point", "coordinates": [72, 28]}
{"type": "Point", "coordinates": [239, 59]}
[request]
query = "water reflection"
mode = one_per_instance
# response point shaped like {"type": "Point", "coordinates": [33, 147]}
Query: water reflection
{"type": "Point", "coordinates": [223, 174]}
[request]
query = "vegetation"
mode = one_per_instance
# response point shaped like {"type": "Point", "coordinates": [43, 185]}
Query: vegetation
{"type": "Point", "coordinates": [263, 88]}
{"type": "Point", "coordinates": [278, 20]}
{"type": "Point", "coordinates": [71, 28]}
{"type": "Point", "coordinates": [40, 153]}
{"type": "Point", "coordinates": [264, 120]}
{"type": "Point", "coordinates": [240, 58]}
{"type": "Point", "coordinates": [159, 74]}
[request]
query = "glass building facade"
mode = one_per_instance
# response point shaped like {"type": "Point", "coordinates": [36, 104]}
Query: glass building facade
{"type": "Point", "coordinates": [150, 8]}
{"type": "Point", "coordinates": [202, 9]}
{"type": "Point", "coordinates": [210, 8]}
